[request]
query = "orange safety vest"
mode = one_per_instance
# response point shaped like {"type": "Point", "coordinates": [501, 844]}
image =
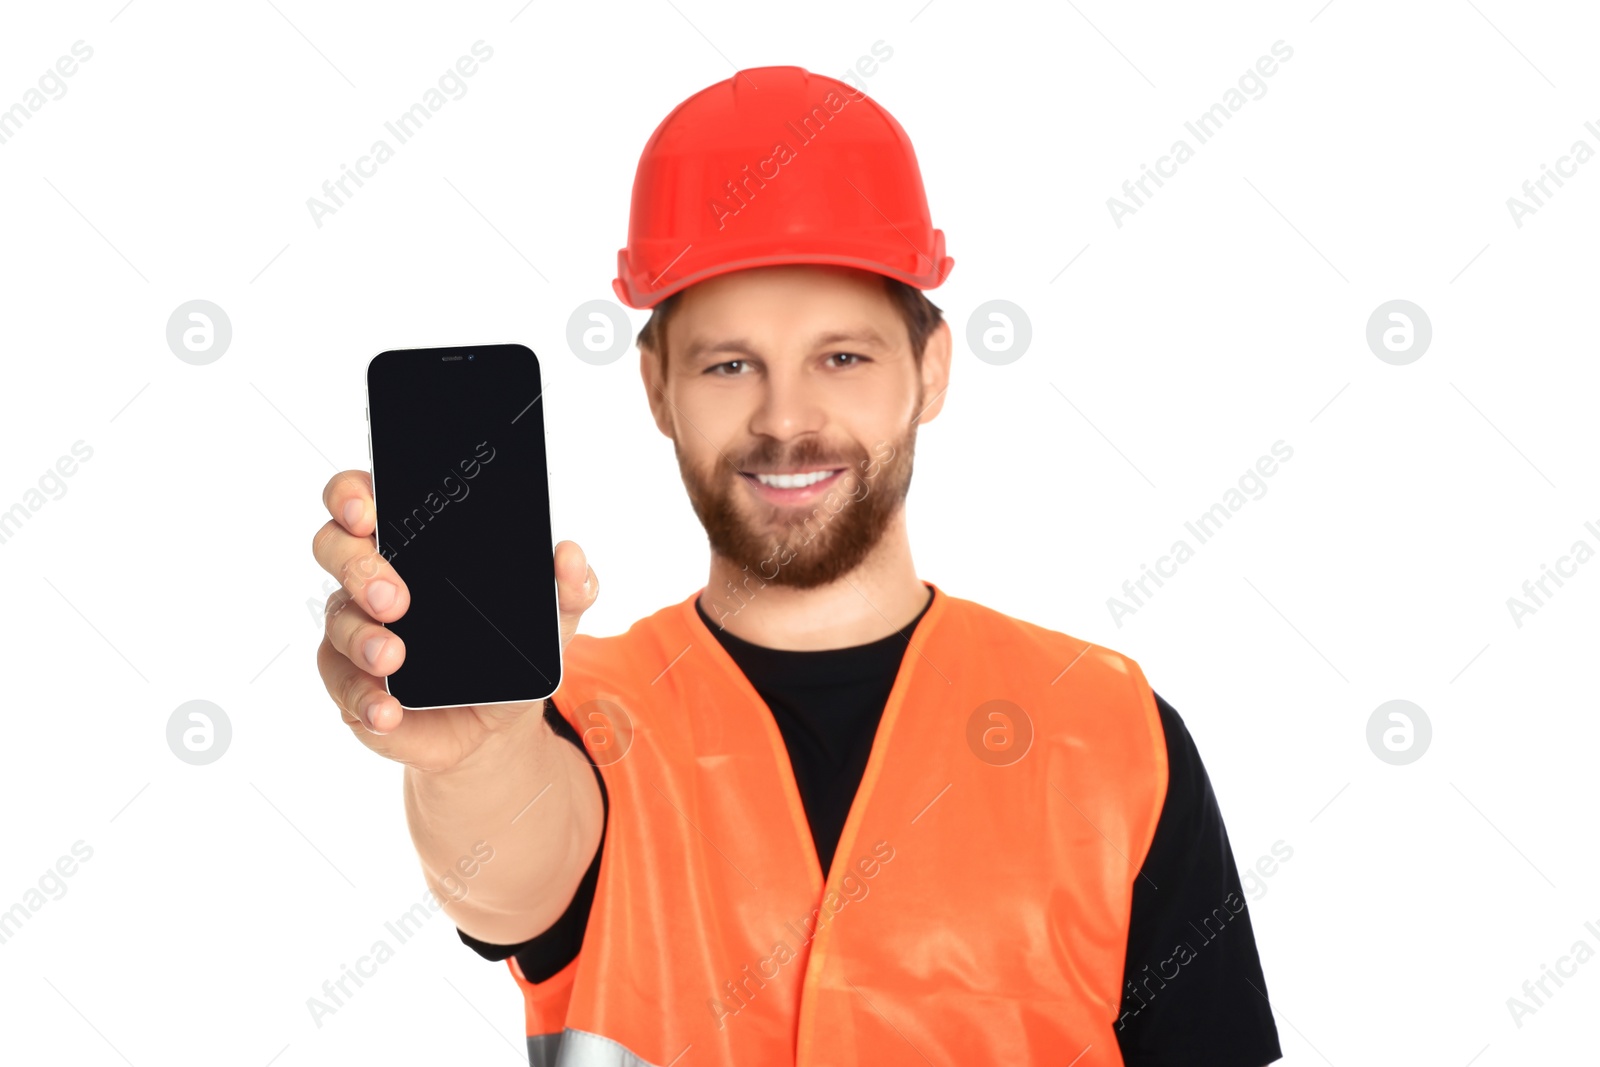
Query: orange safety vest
{"type": "Point", "coordinates": [977, 907]}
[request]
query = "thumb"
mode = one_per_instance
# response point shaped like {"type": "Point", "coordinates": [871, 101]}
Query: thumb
{"type": "Point", "coordinates": [577, 587]}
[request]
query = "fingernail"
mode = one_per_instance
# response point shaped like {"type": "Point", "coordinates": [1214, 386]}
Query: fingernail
{"type": "Point", "coordinates": [381, 595]}
{"type": "Point", "coordinates": [373, 648]}
{"type": "Point", "coordinates": [369, 709]}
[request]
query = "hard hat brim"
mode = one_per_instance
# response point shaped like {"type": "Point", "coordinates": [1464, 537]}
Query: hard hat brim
{"type": "Point", "coordinates": [640, 294]}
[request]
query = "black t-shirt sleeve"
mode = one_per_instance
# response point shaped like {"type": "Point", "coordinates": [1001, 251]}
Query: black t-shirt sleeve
{"type": "Point", "coordinates": [543, 956]}
{"type": "Point", "coordinates": [1193, 991]}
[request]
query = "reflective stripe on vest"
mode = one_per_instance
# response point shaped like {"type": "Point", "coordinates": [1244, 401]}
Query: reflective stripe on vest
{"type": "Point", "coordinates": [977, 909]}
{"type": "Point", "coordinates": [574, 1048]}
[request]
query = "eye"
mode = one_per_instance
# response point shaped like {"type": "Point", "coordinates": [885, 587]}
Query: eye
{"type": "Point", "coordinates": [852, 358]}
{"type": "Point", "coordinates": [721, 369]}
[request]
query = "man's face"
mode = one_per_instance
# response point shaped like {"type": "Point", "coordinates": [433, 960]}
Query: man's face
{"type": "Point", "coordinates": [792, 399]}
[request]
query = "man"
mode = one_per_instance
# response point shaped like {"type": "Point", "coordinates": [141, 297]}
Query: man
{"type": "Point", "coordinates": [820, 811]}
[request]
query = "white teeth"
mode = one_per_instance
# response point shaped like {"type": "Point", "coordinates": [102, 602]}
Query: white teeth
{"type": "Point", "coordinates": [793, 481]}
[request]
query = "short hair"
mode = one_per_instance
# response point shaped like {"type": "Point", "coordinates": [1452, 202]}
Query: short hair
{"type": "Point", "coordinates": [921, 316]}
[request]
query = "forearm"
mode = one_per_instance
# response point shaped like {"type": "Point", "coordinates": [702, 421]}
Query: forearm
{"type": "Point", "coordinates": [523, 815]}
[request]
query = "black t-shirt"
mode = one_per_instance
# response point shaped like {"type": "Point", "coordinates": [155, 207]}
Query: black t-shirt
{"type": "Point", "coordinates": [1193, 991]}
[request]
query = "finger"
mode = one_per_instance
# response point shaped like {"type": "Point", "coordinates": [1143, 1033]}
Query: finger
{"type": "Point", "coordinates": [360, 697]}
{"type": "Point", "coordinates": [364, 642]}
{"type": "Point", "coordinates": [348, 498]}
{"type": "Point", "coordinates": [362, 570]}
{"type": "Point", "coordinates": [577, 586]}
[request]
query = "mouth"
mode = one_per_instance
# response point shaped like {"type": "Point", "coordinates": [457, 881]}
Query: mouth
{"type": "Point", "coordinates": [792, 488]}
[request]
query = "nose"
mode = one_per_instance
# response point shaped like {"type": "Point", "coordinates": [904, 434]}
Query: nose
{"type": "Point", "coordinates": [790, 406]}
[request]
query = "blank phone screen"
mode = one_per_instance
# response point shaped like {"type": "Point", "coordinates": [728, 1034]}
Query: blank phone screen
{"type": "Point", "coordinates": [463, 501]}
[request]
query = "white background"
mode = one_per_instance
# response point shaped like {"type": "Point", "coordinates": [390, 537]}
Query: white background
{"type": "Point", "coordinates": [1225, 315]}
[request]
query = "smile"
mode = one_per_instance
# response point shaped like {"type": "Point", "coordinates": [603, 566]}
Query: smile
{"type": "Point", "coordinates": [791, 487]}
{"type": "Point", "coordinates": [794, 481]}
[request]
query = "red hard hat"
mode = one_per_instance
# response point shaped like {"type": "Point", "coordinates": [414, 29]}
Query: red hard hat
{"type": "Point", "coordinates": [776, 165]}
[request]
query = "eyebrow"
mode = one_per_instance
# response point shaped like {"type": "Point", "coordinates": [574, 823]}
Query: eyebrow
{"type": "Point", "coordinates": [739, 346]}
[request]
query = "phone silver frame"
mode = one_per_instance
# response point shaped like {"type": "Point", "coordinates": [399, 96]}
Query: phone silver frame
{"type": "Point", "coordinates": [377, 544]}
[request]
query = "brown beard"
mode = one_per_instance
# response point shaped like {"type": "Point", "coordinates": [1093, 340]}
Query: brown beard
{"type": "Point", "coordinates": [816, 544]}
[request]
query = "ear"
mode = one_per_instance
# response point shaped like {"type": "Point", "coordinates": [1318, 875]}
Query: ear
{"type": "Point", "coordinates": [935, 371]}
{"type": "Point", "coordinates": [654, 384]}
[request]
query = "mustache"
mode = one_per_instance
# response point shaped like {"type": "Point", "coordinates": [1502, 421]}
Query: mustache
{"type": "Point", "coordinates": [769, 456]}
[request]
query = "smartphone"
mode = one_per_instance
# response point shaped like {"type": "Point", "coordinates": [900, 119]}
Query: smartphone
{"type": "Point", "coordinates": [460, 482]}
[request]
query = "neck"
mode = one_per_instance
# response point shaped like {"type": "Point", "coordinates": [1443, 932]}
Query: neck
{"type": "Point", "coordinates": [879, 597]}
